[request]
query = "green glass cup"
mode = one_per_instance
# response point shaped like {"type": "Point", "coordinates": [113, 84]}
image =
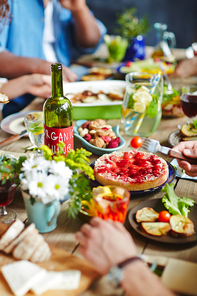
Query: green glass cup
{"type": "Point", "coordinates": [116, 47]}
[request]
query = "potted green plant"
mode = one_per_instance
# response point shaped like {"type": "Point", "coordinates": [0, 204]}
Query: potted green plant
{"type": "Point", "coordinates": [133, 29]}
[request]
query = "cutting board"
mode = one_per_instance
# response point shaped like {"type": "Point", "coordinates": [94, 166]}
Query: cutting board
{"type": "Point", "coordinates": [60, 260]}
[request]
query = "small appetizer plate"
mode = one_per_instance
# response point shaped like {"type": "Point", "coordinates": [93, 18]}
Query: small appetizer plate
{"type": "Point", "coordinates": [94, 149]}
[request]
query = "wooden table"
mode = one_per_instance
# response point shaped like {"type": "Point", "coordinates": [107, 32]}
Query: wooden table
{"type": "Point", "coordinates": [64, 235]}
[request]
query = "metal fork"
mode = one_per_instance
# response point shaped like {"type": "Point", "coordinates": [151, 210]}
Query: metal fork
{"type": "Point", "coordinates": [154, 146]}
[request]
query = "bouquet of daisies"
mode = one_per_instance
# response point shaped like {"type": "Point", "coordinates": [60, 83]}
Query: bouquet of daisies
{"type": "Point", "coordinates": [54, 175]}
{"type": "Point", "coordinates": [45, 180]}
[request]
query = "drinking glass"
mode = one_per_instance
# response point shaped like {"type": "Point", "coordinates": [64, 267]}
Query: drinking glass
{"type": "Point", "coordinates": [116, 47]}
{"type": "Point", "coordinates": [112, 206]}
{"type": "Point", "coordinates": [141, 108]}
{"type": "Point", "coordinates": [35, 128]}
{"type": "Point", "coordinates": [7, 193]}
{"type": "Point", "coordinates": [188, 99]}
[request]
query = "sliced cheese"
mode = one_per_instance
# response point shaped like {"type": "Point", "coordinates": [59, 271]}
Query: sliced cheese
{"type": "Point", "coordinates": [48, 282]}
{"type": "Point", "coordinates": [70, 280]}
{"type": "Point", "coordinates": [22, 275]}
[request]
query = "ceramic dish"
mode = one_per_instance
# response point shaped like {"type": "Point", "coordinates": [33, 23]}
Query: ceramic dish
{"type": "Point", "coordinates": [171, 177]}
{"type": "Point", "coordinates": [174, 138]}
{"type": "Point", "coordinates": [90, 111]}
{"type": "Point", "coordinates": [94, 149]}
{"type": "Point", "coordinates": [158, 206]}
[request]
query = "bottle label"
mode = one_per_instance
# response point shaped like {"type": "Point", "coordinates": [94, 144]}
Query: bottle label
{"type": "Point", "coordinates": [52, 136]}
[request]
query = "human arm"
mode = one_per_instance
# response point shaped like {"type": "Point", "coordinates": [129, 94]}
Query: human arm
{"type": "Point", "coordinates": [189, 149]}
{"type": "Point", "coordinates": [107, 243]}
{"type": "Point", "coordinates": [86, 30]}
{"type": "Point", "coordinates": [22, 65]}
{"type": "Point", "coordinates": [36, 84]}
{"type": "Point", "coordinates": [186, 68]}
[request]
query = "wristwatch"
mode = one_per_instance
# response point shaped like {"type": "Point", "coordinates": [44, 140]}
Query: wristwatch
{"type": "Point", "coordinates": [115, 274]}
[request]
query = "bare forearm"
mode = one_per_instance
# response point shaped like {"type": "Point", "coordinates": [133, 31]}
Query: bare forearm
{"type": "Point", "coordinates": [138, 280]}
{"type": "Point", "coordinates": [15, 87]}
{"type": "Point", "coordinates": [14, 66]}
{"type": "Point", "coordinates": [86, 30]}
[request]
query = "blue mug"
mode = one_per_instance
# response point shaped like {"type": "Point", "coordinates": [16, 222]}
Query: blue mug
{"type": "Point", "coordinates": [44, 216]}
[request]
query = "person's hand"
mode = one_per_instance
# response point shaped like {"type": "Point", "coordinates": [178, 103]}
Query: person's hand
{"type": "Point", "coordinates": [189, 149]}
{"type": "Point", "coordinates": [105, 243]}
{"type": "Point", "coordinates": [68, 75]}
{"type": "Point", "coordinates": [44, 67]}
{"type": "Point", "coordinates": [186, 68]}
{"type": "Point", "coordinates": [39, 85]}
{"type": "Point", "coordinates": [73, 5]}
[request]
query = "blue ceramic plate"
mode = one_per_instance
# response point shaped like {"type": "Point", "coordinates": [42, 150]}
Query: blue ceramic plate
{"type": "Point", "coordinates": [171, 177]}
{"type": "Point", "coordinates": [94, 149]}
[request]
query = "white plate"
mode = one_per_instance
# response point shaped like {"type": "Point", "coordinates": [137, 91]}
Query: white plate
{"type": "Point", "coordinates": [95, 86]}
{"type": "Point", "coordinates": [14, 123]}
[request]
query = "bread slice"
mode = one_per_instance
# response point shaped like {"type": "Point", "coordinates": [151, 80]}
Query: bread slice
{"type": "Point", "coordinates": [189, 130]}
{"type": "Point", "coordinates": [12, 232]}
{"type": "Point", "coordinates": [181, 226]}
{"type": "Point", "coordinates": [41, 254]}
{"type": "Point", "coordinates": [146, 214]}
{"type": "Point", "coordinates": [156, 228]}
{"type": "Point", "coordinates": [4, 98]}
{"type": "Point", "coordinates": [101, 71]}
{"type": "Point", "coordinates": [27, 231]}
{"type": "Point", "coordinates": [27, 246]}
{"type": "Point", "coordinates": [22, 275]}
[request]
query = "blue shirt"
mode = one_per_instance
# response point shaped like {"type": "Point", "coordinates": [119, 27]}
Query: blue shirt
{"type": "Point", "coordinates": [24, 36]}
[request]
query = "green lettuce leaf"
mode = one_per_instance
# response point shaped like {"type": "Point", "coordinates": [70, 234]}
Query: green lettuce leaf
{"type": "Point", "coordinates": [174, 204]}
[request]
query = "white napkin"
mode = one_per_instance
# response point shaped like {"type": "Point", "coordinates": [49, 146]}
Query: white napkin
{"type": "Point", "coordinates": [180, 172]}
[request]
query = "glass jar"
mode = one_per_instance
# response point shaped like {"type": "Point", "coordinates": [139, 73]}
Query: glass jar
{"type": "Point", "coordinates": [164, 41]}
{"type": "Point", "coordinates": [141, 108]}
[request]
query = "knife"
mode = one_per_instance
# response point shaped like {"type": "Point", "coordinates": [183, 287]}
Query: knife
{"type": "Point", "coordinates": [13, 138]}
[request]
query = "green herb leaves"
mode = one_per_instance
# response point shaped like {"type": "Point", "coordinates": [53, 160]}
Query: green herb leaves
{"type": "Point", "coordinates": [130, 25]}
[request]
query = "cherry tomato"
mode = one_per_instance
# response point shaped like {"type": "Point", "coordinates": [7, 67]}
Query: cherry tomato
{"type": "Point", "coordinates": [128, 64]}
{"type": "Point", "coordinates": [136, 142]}
{"type": "Point", "coordinates": [164, 216]}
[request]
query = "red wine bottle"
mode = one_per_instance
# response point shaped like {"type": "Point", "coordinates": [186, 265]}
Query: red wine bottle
{"type": "Point", "coordinates": [58, 114]}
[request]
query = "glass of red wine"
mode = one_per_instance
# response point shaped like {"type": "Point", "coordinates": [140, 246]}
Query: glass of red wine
{"type": "Point", "coordinates": [7, 193]}
{"type": "Point", "coordinates": [188, 99]}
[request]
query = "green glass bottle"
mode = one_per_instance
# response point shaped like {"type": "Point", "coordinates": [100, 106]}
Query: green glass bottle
{"type": "Point", "coordinates": [58, 114]}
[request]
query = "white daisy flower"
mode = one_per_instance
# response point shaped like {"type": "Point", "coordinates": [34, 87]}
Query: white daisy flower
{"type": "Point", "coordinates": [38, 185]}
{"type": "Point", "coordinates": [57, 187]}
{"type": "Point", "coordinates": [60, 168]}
{"type": "Point", "coordinates": [35, 163]}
